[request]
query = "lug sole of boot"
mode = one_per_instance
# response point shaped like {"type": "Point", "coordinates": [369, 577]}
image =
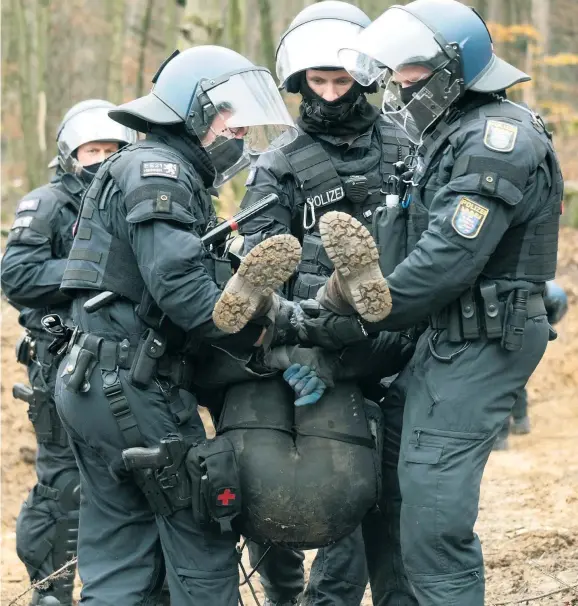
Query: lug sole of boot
{"type": "Point", "coordinates": [354, 254]}
{"type": "Point", "coordinates": [263, 270]}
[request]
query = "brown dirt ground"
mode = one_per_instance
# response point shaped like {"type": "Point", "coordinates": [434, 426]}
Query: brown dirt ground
{"type": "Point", "coordinates": [529, 508]}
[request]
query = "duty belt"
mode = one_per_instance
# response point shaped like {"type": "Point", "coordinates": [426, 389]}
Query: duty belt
{"type": "Point", "coordinates": [463, 318]}
{"type": "Point", "coordinates": [122, 354]}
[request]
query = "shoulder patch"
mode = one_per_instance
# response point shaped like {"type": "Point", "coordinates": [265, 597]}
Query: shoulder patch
{"type": "Point", "coordinates": [500, 136]}
{"type": "Point", "coordinates": [469, 218]}
{"type": "Point", "coordinates": [22, 222]}
{"type": "Point", "coordinates": [160, 169]}
{"type": "Point", "coordinates": [28, 205]}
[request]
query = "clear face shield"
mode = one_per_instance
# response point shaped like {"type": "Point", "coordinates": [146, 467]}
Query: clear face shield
{"type": "Point", "coordinates": [416, 115]}
{"type": "Point", "coordinates": [314, 44]}
{"type": "Point", "coordinates": [242, 114]}
{"type": "Point", "coordinates": [400, 52]}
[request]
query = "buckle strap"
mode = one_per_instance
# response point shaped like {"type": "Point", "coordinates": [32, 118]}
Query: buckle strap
{"type": "Point", "coordinates": [492, 317]}
{"type": "Point", "coordinates": [120, 408]}
{"type": "Point", "coordinates": [47, 492]}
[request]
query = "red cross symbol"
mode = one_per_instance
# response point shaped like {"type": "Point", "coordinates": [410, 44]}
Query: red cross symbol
{"type": "Point", "coordinates": [226, 496]}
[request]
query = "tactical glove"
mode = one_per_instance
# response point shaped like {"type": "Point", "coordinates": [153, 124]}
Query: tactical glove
{"type": "Point", "coordinates": [318, 326]}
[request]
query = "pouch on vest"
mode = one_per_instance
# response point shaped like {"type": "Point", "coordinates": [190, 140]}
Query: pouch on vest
{"type": "Point", "coordinates": [216, 486]}
{"type": "Point", "coordinates": [390, 233]}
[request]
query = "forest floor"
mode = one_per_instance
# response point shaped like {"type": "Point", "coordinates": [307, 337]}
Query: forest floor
{"type": "Point", "coordinates": [528, 519]}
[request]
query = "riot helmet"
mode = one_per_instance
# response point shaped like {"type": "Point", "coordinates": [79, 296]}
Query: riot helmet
{"type": "Point", "coordinates": [314, 38]}
{"type": "Point", "coordinates": [309, 47]}
{"type": "Point", "coordinates": [87, 122]}
{"type": "Point", "coordinates": [434, 49]}
{"type": "Point", "coordinates": [226, 104]}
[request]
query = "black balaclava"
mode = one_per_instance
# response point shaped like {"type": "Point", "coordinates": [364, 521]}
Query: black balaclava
{"type": "Point", "coordinates": [189, 145]}
{"type": "Point", "coordinates": [348, 115]}
{"type": "Point", "coordinates": [87, 172]}
{"type": "Point", "coordinates": [227, 154]}
{"type": "Point", "coordinates": [406, 94]}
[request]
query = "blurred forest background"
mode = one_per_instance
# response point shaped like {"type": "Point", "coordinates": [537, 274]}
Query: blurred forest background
{"type": "Point", "coordinates": [58, 52]}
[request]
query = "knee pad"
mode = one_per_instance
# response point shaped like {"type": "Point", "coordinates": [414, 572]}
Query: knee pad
{"type": "Point", "coordinates": [47, 532]}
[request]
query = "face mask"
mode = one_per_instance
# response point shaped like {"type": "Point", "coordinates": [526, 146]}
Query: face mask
{"type": "Point", "coordinates": [406, 94]}
{"type": "Point", "coordinates": [87, 172]}
{"type": "Point", "coordinates": [227, 154]}
{"type": "Point", "coordinates": [318, 109]}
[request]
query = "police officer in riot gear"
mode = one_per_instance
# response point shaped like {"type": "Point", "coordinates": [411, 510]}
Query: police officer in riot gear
{"type": "Point", "coordinates": [32, 270]}
{"type": "Point", "coordinates": [344, 158]}
{"type": "Point", "coordinates": [487, 187]}
{"type": "Point", "coordinates": [128, 378]}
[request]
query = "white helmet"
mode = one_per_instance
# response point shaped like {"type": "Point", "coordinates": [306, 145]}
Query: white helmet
{"type": "Point", "coordinates": [85, 122]}
{"type": "Point", "coordinates": [314, 38]}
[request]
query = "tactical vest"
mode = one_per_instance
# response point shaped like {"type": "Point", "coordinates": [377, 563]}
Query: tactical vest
{"type": "Point", "coordinates": [34, 226]}
{"type": "Point", "coordinates": [35, 212]}
{"type": "Point", "coordinates": [358, 194]}
{"type": "Point", "coordinates": [526, 251]}
{"type": "Point", "coordinates": [100, 260]}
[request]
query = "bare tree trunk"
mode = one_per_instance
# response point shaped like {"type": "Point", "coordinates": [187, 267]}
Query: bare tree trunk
{"type": "Point", "coordinates": [146, 26]}
{"type": "Point", "coordinates": [114, 73]}
{"type": "Point", "coordinates": [235, 25]}
{"type": "Point", "coordinates": [251, 39]}
{"type": "Point", "coordinates": [26, 43]}
{"type": "Point", "coordinates": [42, 20]}
{"type": "Point", "coordinates": [172, 31]}
{"type": "Point", "coordinates": [267, 42]}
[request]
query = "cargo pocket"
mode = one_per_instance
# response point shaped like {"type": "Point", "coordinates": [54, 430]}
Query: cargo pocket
{"type": "Point", "coordinates": [210, 587]}
{"type": "Point", "coordinates": [440, 474]}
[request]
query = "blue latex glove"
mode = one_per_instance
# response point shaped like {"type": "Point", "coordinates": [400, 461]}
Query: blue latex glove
{"type": "Point", "coordinates": [308, 387]}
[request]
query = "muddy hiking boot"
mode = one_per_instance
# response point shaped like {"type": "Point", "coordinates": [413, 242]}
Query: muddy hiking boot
{"type": "Point", "coordinates": [357, 279]}
{"type": "Point", "coordinates": [248, 294]}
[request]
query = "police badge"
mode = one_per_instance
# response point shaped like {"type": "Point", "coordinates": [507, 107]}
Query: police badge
{"type": "Point", "coordinates": [500, 136]}
{"type": "Point", "coordinates": [469, 218]}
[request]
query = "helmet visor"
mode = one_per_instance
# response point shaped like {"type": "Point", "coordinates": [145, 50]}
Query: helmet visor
{"type": "Point", "coordinates": [250, 105]}
{"type": "Point", "coordinates": [425, 107]}
{"type": "Point", "coordinates": [245, 115]}
{"type": "Point", "coordinates": [395, 40]}
{"type": "Point", "coordinates": [314, 44]}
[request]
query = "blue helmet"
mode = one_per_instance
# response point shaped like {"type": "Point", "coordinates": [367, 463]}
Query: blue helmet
{"type": "Point", "coordinates": [229, 105]}
{"type": "Point", "coordinates": [556, 302]}
{"type": "Point", "coordinates": [437, 49]}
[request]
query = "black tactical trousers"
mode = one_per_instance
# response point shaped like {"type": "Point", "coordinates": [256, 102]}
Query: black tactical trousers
{"type": "Point", "coordinates": [381, 529]}
{"type": "Point", "coordinates": [47, 526]}
{"type": "Point", "coordinates": [453, 413]}
{"type": "Point", "coordinates": [123, 546]}
{"type": "Point", "coordinates": [519, 411]}
{"type": "Point", "coordinates": [338, 574]}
